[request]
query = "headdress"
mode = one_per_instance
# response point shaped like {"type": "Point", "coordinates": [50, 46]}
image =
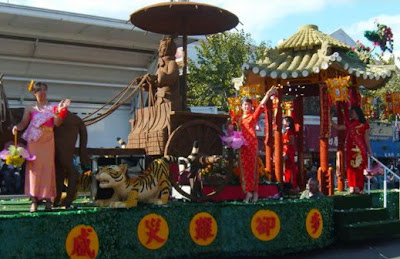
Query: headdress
{"type": "Point", "coordinates": [31, 85]}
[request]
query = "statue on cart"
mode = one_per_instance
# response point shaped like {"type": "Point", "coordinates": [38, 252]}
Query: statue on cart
{"type": "Point", "coordinates": [165, 83]}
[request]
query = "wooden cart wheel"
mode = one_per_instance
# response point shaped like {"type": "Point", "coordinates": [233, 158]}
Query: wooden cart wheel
{"type": "Point", "coordinates": [180, 143]}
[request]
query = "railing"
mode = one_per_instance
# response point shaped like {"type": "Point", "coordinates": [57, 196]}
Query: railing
{"type": "Point", "coordinates": [386, 170]}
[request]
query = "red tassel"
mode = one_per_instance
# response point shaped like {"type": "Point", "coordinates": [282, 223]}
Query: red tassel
{"type": "Point", "coordinates": [63, 113]}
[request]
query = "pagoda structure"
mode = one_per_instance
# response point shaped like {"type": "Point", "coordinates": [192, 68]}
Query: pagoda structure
{"type": "Point", "coordinates": [301, 66]}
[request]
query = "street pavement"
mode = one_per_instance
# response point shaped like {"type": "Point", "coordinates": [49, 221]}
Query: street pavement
{"type": "Point", "coordinates": [371, 249]}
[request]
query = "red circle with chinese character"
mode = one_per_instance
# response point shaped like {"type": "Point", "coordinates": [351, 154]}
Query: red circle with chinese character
{"type": "Point", "coordinates": [153, 231]}
{"type": "Point", "coordinates": [203, 229]}
{"type": "Point", "coordinates": [82, 242]}
{"type": "Point", "coordinates": [314, 223]}
{"type": "Point", "coordinates": [265, 225]}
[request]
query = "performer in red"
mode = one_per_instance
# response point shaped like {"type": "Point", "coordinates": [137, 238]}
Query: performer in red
{"type": "Point", "coordinates": [357, 148]}
{"type": "Point", "coordinates": [289, 151]}
{"type": "Point", "coordinates": [249, 152]}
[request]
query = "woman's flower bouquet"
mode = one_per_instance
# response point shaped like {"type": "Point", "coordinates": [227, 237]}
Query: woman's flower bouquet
{"type": "Point", "coordinates": [15, 155]}
{"type": "Point", "coordinates": [233, 139]}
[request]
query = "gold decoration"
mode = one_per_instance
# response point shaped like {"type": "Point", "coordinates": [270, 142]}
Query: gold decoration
{"type": "Point", "coordinates": [392, 103]}
{"type": "Point", "coordinates": [203, 229]}
{"type": "Point", "coordinates": [82, 242]}
{"type": "Point", "coordinates": [337, 88]}
{"type": "Point", "coordinates": [153, 231]}
{"type": "Point", "coordinates": [367, 107]}
{"type": "Point", "coordinates": [314, 223]}
{"type": "Point", "coordinates": [287, 108]}
{"type": "Point", "coordinates": [252, 90]}
{"type": "Point", "coordinates": [235, 106]}
{"type": "Point", "coordinates": [265, 225]}
{"type": "Point", "coordinates": [31, 85]}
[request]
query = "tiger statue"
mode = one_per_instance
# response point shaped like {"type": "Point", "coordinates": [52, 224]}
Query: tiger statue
{"type": "Point", "coordinates": [153, 183]}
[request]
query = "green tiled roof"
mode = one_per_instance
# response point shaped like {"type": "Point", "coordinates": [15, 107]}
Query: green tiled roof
{"type": "Point", "coordinates": [309, 36]}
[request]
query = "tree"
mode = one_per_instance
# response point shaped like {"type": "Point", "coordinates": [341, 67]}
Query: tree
{"type": "Point", "coordinates": [382, 36]}
{"type": "Point", "coordinates": [219, 59]}
{"type": "Point", "coordinates": [393, 85]}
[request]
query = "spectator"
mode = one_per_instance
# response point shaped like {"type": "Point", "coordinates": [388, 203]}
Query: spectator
{"type": "Point", "coordinates": [312, 190]}
{"type": "Point", "coordinates": [312, 174]}
{"type": "Point", "coordinates": [375, 174]}
{"type": "Point", "coordinates": [11, 179]}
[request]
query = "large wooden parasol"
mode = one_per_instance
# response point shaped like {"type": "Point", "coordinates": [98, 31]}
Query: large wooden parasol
{"type": "Point", "coordinates": [184, 18]}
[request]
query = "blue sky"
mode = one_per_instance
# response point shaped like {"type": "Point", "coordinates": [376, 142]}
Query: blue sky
{"type": "Point", "coordinates": [268, 20]}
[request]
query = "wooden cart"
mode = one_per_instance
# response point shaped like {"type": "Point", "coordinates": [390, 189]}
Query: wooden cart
{"type": "Point", "coordinates": [160, 131]}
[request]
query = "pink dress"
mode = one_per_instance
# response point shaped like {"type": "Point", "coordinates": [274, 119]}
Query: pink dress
{"type": "Point", "coordinates": [40, 178]}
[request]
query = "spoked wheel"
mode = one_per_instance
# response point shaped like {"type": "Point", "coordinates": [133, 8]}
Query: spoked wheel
{"type": "Point", "coordinates": [180, 144]}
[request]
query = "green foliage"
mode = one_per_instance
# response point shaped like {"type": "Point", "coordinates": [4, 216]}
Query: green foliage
{"type": "Point", "coordinates": [382, 37]}
{"type": "Point", "coordinates": [42, 235]}
{"type": "Point", "coordinates": [219, 60]}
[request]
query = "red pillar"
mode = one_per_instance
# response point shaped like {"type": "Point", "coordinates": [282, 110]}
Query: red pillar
{"type": "Point", "coordinates": [269, 144]}
{"type": "Point", "coordinates": [298, 118]}
{"type": "Point", "coordinates": [278, 145]}
{"type": "Point", "coordinates": [324, 137]}
{"type": "Point", "coordinates": [340, 166]}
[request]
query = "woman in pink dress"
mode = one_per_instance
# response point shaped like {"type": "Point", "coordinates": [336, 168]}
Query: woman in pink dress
{"type": "Point", "coordinates": [41, 117]}
{"type": "Point", "coordinates": [249, 152]}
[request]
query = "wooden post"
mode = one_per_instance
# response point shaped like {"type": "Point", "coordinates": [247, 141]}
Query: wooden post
{"type": "Point", "coordinates": [269, 144]}
{"type": "Point", "coordinates": [299, 125]}
{"type": "Point", "coordinates": [184, 74]}
{"type": "Point", "coordinates": [340, 167]}
{"type": "Point", "coordinates": [278, 144]}
{"type": "Point", "coordinates": [324, 137]}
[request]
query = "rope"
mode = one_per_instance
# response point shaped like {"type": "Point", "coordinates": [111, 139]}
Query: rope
{"type": "Point", "coordinates": [117, 104]}
{"type": "Point", "coordinates": [102, 107]}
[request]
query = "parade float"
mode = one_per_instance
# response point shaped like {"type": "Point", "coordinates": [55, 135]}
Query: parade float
{"type": "Point", "coordinates": [195, 227]}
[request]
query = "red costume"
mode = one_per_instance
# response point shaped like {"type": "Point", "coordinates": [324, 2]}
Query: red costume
{"type": "Point", "coordinates": [249, 152]}
{"type": "Point", "coordinates": [356, 152]}
{"type": "Point", "coordinates": [290, 166]}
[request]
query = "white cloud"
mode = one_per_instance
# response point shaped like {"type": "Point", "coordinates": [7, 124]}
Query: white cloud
{"type": "Point", "coordinates": [356, 30]}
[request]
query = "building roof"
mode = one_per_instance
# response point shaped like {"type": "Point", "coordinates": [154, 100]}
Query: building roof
{"type": "Point", "coordinates": [342, 36]}
{"type": "Point", "coordinates": [310, 51]}
{"type": "Point", "coordinates": [88, 59]}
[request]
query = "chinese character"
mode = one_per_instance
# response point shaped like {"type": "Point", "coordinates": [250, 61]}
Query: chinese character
{"type": "Point", "coordinates": [153, 225]}
{"type": "Point", "coordinates": [315, 222]}
{"type": "Point", "coordinates": [82, 244]}
{"type": "Point", "coordinates": [203, 228]}
{"type": "Point", "coordinates": [265, 224]}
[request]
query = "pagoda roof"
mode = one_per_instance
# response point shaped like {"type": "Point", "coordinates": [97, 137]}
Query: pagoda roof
{"type": "Point", "coordinates": [312, 54]}
{"type": "Point", "coordinates": [309, 36]}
